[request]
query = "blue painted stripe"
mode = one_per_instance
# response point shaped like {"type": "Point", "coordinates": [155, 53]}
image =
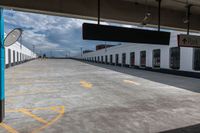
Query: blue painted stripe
{"type": "Point", "coordinates": [2, 59]}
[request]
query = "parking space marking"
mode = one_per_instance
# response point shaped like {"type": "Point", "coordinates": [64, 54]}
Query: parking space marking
{"type": "Point", "coordinates": [27, 112]}
{"type": "Point", "coordinates": [8, 128]}
{"type": "Point", "coordinates": [31, 92]}
{"type": "Point", "coordinates": [131, 82]}
{"type": "Point", "coordinates": [86, 84]}
{"type": "Point", "coordinates": [30, 82]}
{"type": "Point", "coordinates": [58, 109]}
{"type": "Point", "coordinates": [61, 113]}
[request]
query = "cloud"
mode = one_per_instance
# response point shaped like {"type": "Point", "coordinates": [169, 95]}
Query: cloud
{"type": "Point", "coordinates": [51, 34]}
{"type": "Point", "coordinates": [48, 33]}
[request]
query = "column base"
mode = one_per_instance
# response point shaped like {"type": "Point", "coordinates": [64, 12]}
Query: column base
{"type": "Point", "coordinates": [2, 110]}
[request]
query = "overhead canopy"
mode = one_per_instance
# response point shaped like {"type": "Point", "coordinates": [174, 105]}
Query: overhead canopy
{"type": "Point", "coordinates": [173, 12]}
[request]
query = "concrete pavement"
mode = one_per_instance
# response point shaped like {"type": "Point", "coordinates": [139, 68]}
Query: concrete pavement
{"type": "Point", "coordinates": [68, 96]}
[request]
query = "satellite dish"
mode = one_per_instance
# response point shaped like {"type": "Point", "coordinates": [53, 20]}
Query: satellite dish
{"type": "Point", "coordinates": [12, 37]}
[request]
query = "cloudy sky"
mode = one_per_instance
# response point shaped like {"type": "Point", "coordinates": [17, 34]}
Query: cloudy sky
{"type": "Point", "coordinates": [49, 33]}
{"type": "Point", "coordinates": [52, 34]}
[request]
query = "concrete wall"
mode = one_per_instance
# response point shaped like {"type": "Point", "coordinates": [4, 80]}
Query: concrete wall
{"type": "Point", "coordinates": [186, 54]}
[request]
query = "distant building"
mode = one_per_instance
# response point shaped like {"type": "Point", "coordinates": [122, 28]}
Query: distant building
{"type": "Point", "coordinates": [103, 46]}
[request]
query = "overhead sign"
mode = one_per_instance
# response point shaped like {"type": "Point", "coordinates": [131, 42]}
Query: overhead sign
{"type": "Point", "coordinates": [188, 41]}
{"type": "Point", "coordinates": [122, 34]}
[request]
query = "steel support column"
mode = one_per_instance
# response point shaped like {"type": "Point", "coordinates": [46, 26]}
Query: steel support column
{"type": "Point", "coordinates": [188, 18]}
{"type": "Point", "coordinates": [99, 11]}
{"type": "Point", "coordinates": [159, 14]}
{"type": "Point", "coordinates": [2, 69]}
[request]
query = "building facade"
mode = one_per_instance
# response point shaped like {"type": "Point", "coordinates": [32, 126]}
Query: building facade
{"type": "Point", "coordinates": [17, 53]}
{"type": "Point", "coordinates": [165, 57]}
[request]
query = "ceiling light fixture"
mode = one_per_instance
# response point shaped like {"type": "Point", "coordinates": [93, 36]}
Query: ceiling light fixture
{"type": "Point", "coordinates": [147, 16]}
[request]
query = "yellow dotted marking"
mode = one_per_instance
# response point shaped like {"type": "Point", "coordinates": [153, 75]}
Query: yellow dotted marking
{"type": "Point", "coordinates": [86, 84]}
{"type": "Point", "coordinates": [131, 82]}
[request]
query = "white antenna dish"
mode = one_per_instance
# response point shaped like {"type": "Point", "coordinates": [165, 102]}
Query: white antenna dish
{"type": "Point", "coordinates": [12, 37]}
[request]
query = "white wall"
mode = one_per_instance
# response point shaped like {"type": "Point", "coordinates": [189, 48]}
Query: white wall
{"type": "Point", "coordinates": [26, 54]}
{"type": "Point", "coordinates": [186, 57]}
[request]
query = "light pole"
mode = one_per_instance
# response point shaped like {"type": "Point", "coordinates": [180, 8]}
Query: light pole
{"type": "Point", "coordinates": [81, 51]}
{"type": "Point", "coordinates": [41, 53]}
{"type": "Point", "coordinates": [67, 54]}
{"type": "Point", "coordinates": [33, 48]}
{"type": "Point", "coordinates": [51, 54]}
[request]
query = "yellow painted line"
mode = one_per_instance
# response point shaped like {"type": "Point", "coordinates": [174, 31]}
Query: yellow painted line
{"type": "Point", "coordinates": [27, 112]}
{"type": "Point", "coordinates": [86, 84]}
{"type": "Point", "coordinates": [61, 113]}
{"type": "Point", "coordinates": [31, 82]}
{"type": "Point", "coordinates": [33, 109]}
{"type": "Point", "coordinates": [8, 128]}
{"type": "Point", "coordinates": [31, 92]}
{"type": "Point", "coordinates": [131, 82]}
{"type": "Point", "coordinates": [58, 109]}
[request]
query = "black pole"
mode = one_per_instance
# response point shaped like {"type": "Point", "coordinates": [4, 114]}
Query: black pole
{"type": "Point", "coordinates": [99, 10]}
{"type": "Point", "coordinates": [188, 18]}
{"type": "Point", "coordinates": [159, 14]}
{"type": "Point", "coordinates": [81, 52]}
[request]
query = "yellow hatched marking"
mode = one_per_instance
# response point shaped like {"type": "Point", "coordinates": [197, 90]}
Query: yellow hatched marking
{"type": "Point", "coordinates": [86, 84]}
{"type": "Point", "coordinates": [8, 128]}
{"type": "Point", "coordinates": [131, 82]}
{"type": "Point", "coordinates": [27, 112]}
{"type": "Point", "coordinates": [58, 109]}
{"type": "Point", "coordinates": [61, 113]}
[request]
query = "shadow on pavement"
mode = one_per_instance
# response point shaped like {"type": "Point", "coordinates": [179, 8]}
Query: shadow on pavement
{"type": "Point", "coordinates": [191, 84]}
{"type": "Point", "coordinates": [189, 129]}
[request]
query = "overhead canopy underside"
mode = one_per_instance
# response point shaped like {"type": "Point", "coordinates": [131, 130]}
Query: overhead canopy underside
{"type": "Point", "coordinates": [173, 12]}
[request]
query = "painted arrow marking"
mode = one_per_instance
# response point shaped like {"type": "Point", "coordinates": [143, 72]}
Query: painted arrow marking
{"type": "Point", "coordinates": [86, 84]}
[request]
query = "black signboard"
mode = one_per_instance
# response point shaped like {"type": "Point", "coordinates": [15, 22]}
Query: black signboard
{"type": "Point", "coordinates": [121, 34]}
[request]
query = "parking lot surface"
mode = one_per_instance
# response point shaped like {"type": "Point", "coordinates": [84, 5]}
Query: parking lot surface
{"type": "Point", "coordinates": [69, 96]}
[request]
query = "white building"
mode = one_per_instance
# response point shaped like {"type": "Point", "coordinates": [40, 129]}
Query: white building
{"type": "Point", "coordinates": [149, 56]}
{"type": "Point", "coordinates": [17, 53]}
